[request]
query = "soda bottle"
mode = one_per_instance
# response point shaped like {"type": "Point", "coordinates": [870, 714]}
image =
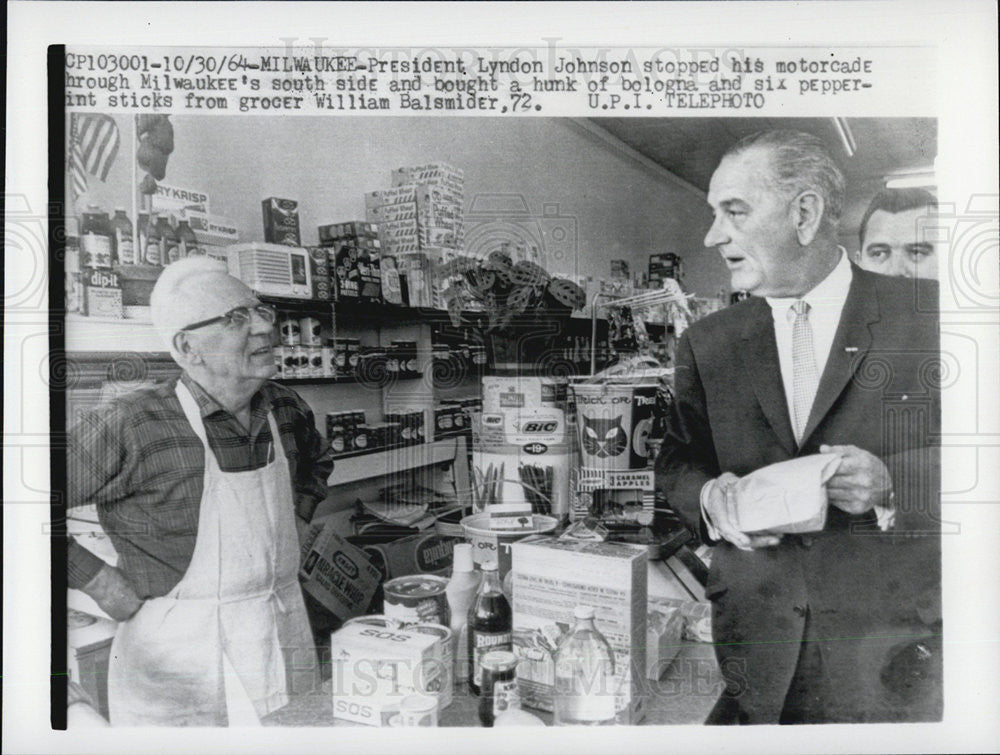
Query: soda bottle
{"type": "Point", "coordinates": [585, 684]}
{"type": "Point", "coordinates": [96, 239]}
{"type": "Point", "coordinates": [171, 245]}
{"type": "Point", "coordinates": [153, 243]}
{"type": "Point", "coordinates": [124, 243]}
{"type": "Point", "coordinates": [490, 622]}
{"type": "Point", "coordinates": [187, 239]}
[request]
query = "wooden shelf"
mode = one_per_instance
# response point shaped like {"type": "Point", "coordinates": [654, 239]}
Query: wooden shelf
{"type": "Point", "coordinates": [348, 469]}
{"type": "Point", "coordinates": [341, 380]}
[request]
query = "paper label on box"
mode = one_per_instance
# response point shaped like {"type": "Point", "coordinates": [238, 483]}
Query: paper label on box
{"type": "Point", "coordinates": [552, 577]}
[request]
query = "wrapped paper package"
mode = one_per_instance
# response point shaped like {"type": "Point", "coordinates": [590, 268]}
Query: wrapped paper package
{"type": "Point", "coordinates": [788, 497]}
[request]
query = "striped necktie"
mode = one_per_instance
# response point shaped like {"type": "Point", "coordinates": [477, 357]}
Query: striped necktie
{"type": "Point", "coordinates": [804, 377]}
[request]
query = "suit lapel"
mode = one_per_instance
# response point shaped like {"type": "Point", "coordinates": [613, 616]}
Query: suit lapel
{"type": "Point", "coordinates": [760, 358]}
{"type": "Point", "coordinates": [850, 345]}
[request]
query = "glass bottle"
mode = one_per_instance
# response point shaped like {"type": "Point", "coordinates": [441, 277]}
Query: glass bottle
{"type": "Point", "coordinates": [188, 241]}
{"type": "Point", "coordinates": [171, 245]}
{"type": "Point", "coordinates": [153, 242]}
{"type": "Point", "coordinates": [124, 243]}
{"type": "Point", "coordinates": [490, 622]}
{"type": "Point", "coordinates": [585, 683]}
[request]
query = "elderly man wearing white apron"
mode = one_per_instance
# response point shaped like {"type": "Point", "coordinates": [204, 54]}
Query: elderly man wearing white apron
{"type": "Point", "coordinates": [214, 628]}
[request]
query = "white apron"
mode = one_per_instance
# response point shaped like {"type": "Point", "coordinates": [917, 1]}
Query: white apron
{"type": "Point", "coordinates": [232, 639]}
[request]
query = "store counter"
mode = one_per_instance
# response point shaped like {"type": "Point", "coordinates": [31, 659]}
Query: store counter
{"type": "Point", "coordinates": [685, 694]}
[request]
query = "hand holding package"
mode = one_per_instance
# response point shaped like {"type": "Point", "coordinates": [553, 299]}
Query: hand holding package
{"type": "Point", "coordinates": [788, 497]}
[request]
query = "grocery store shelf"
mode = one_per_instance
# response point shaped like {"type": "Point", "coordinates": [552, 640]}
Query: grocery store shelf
{"type": "Point", "coordinates": [401, 459]}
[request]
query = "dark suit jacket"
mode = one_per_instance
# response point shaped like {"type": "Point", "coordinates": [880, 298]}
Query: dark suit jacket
{"type": "Point", "coordinates": [878, 392]}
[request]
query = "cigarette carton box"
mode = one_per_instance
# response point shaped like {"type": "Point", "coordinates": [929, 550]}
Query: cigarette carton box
{"type": "Point", "coordinates": [281, 221]}
{"type": "Point", "coordinates": [374, 668]}
{"type": "Point", "coordinates": [336, 573]}
{"type": "Point", "coordinates": [551, 578]}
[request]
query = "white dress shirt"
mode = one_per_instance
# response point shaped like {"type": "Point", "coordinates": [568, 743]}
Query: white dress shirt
{"type": "Point", "coordinates": [826, 303]}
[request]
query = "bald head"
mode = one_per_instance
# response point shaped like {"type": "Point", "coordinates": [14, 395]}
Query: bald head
{"type": "Point", "coordinates": [191, 290]}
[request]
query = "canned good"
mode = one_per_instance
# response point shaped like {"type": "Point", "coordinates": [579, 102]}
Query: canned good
{"type": "Point", "coordinates": [279, 360]}
{"type": "Point", "coordinates": [375, 620]}
{"type": "Point", "coordinates": [301, 361]}
{"type": "Point", "coordinates": [353, 353]}
{"type": "Point", "coordinates": [446, 643]}
{"type": "Point", "coordinates": [361, 440]}
{"type": "Point", "coordinates": [315, 355]}
{"type": "Point", "coordinates": [418, 710]}
{"type": "Point", "coordinates": [340, 357]}
{"type": "Point", "coordinates": [289, 369]}
{"type": "Point", "coordinates": [310, 331]}
{"type": "Point", "coordinates": [329, 362]}
{"type": "Point", "coordinates": [335, 432]}
{"type": "Point", "coordinates": [417, 599]}
{"type": "Point", "coordinates": [290, 331]}
{"type": "Point", "coordinates": [499, 692]}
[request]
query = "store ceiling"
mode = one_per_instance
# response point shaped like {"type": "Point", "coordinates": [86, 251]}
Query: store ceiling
{"type": "Point", "coordinates": [690, 148]}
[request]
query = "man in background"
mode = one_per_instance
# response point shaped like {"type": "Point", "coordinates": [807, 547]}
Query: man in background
{"type": "Point", "coordinates": [893, 235]}
{"type": "Point", "coordinates": [836, 625]}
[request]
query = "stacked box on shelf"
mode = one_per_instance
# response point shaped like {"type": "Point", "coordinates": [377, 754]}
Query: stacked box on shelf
{"type": "Point", "coordinates": [354, 251]}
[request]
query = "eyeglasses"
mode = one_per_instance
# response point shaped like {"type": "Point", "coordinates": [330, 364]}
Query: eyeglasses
{"type": "Point", "coordinates": [237, 318]}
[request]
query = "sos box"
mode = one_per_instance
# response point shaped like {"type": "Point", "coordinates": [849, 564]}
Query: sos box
{"type": "Point", "coordinates": [552, 577]}
{"type": "Point", "coordinates": [375, 667]}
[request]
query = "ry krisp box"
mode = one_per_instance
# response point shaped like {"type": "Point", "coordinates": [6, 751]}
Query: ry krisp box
{"type": "Point", "coordinates": [551, 578]}
{"type": "Point", "coordinates": [374, 668]}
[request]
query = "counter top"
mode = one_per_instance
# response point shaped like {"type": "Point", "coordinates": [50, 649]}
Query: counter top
{"type": "Point", "coordinates": [684, 694]}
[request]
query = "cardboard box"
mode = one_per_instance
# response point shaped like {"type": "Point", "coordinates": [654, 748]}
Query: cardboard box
{"type": "Point", "coordinates": [504, 393]}
{"type": "Point", "coordinates": [281, 221]}
{"type": "Point", "coordinates": [336, 573]}
{"type": "Point", "coordinates": [374, 668]}
{"type": "Point", "coordinates": [369, 268]}
{"type": "Point", "coordinates": [426, 553]}
{"type": "Point", "coordinates": [101, 293]}
{"type": "Point", "coordinates": [551, 578]}
{"type": "Point", "coordinates": [664, 632]}
{"type": "Point", "coordinates": [320, 262]}
{"type": "Point", "coordinates": [352, 229]}
{"type": "Point", "coordinates": [344, 274]}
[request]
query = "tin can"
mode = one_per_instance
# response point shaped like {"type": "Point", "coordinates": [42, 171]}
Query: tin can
{"type": "Point", "coordinates": [329, 362]}
{"type": "Point", "coordinates": [361, 438]}
{"type": "Point", "coordinates": [417, 710]}
{"type": "Point", "coordinates": [335, 432]}
{"type": "Point", "coordinates": [446, 644]}
{"type": "Point", "coordinates": [290, 331]}
{"type": "Point", "coordinates": [375, 620]}
{"type": "Point", "coordinates": [417, 599]}
{"type": "Point", "coordinates": [315, 354]}
{"type": "Point", "coordinates": [279, 361]}
{"type": "Point", "coordinates": [301, 361]}
{"type": "Point", "coordinates": [288, 366]}
{"type": "Point", "coordinates": [499, 692]}
{"type": "Point", "coordinates": [340, 357]}
{"type": "Point", "coordinates": [353, 354]}
{"type": "Point", "coordinates": [310, 331]}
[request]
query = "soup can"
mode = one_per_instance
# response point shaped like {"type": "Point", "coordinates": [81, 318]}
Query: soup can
{"type": "Point", "coordinates": [290, 330]}
{"type": "Point", "coordinates": [310, 331]}
{"type": "Point", "coordinates": [329, 362]}
{"type": "Point", "coordinates": [446, 645]}
{"type": "Point", "coordinates": [315, 354]}
{"type": "Point", "coordinates": [417, 599]}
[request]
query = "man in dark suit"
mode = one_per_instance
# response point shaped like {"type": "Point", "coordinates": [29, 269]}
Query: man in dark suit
{"type": "Point", "coordinates": [841, 624]}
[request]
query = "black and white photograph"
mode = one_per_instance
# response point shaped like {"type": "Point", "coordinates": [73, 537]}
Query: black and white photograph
{"type": "Point", "coordinates": [372, 386]}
